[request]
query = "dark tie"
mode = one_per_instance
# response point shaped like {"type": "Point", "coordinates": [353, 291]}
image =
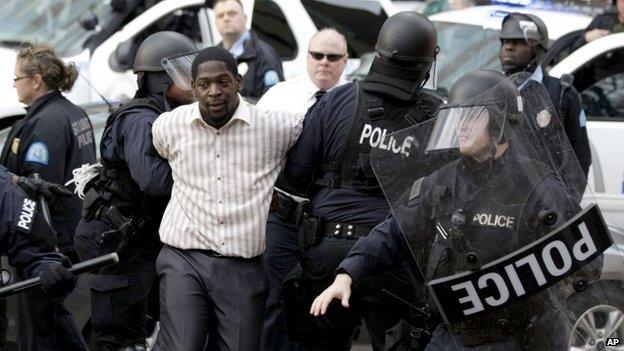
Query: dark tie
{"type": "Point", "coordinates": [319, 94]}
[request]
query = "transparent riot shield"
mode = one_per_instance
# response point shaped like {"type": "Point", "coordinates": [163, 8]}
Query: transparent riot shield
{"type": "Point", "coordinates": [487, 202]}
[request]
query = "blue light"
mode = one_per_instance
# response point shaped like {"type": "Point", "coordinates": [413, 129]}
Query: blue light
{"type": "Point", "coordinates": [513, 2]}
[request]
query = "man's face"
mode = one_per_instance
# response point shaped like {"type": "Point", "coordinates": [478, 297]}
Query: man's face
{"type": "Point", "coordinates": [515, 52]}
{"type": "Point", "coordinates": [230, 18]}
{"type": "Point", "coordinates": [216, 90]}
{"type": "Point", "coordinates": [324, 72]}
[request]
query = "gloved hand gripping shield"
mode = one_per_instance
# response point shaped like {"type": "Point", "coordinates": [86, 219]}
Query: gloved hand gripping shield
{"type": "Point", "coordinates": [178, 67]}
{"type": "Point", "coordinates": [492, 220]}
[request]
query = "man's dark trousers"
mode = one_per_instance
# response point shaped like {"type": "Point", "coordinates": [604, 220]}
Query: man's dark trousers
{"type": "Point", "coordinates": [210, 302]}
{"type": "Point", "coordinates": [281, 256]}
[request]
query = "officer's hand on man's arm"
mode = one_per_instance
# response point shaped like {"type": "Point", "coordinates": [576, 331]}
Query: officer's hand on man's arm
{"type": "Point", "coordinates": [57, 281]}
{"type": "Point", "coordinates": [340, 289]}
{"type": "Point", "coordinates": [33, 187]}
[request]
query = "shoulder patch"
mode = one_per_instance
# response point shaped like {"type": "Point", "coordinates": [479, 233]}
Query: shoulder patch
{"type": "Point", "coordinates": [415, 192]}
{"type": "Point", "coordinates": [26, 216]}
{"type": "Point", "coordinates": [38, 152]}
{"type": "Point", "coordinates": [271, 78]}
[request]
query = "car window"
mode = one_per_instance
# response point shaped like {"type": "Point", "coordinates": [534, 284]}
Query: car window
{"type": "Point", "coordinates": [601, 83]}
{"type": "Point", "coordinates": [605, 98]}
{"type": "Point", "coordinates": [54, 22]}
{"type": "Point", "coordinates": [269, 23]}
{"type": "Point", "coordinates": [359, 21]}
{"type": "Point", "coordinates": [184, 20]}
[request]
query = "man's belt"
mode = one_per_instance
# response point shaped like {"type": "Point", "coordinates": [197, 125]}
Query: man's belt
{"type": "Point", "coordinates": [288, 207]}
{"type": "Point", "coordinates": [346, 230]}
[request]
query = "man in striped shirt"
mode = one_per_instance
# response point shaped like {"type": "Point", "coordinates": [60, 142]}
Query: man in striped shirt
{"type": "Point", "coordinates": [225, 156]}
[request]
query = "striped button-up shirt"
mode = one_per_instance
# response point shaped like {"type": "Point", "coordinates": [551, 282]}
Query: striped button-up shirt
{"type": "Point", "coordinates": [223, 178]}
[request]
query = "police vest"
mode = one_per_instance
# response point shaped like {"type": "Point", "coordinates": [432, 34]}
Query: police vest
{"type": "Point", "coordinates": [115, 185]}
{"type": "Point", "coordinates": [371, 128]}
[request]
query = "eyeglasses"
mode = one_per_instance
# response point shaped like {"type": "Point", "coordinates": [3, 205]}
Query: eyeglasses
{"type": "Point", "coordinates": [330, 57]}
{"type": "Point", "coordinates": [20, 78]}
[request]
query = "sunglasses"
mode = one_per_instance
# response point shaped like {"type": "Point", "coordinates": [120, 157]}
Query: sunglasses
{"type": "Point", "coordinates": [20, 78]}
{"type": "Point", "coordinates": [318, 56]}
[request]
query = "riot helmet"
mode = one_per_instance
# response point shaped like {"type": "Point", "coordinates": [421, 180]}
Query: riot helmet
{"type": "Point", "coordinates": [480, 101]}
{"type": "Point", "coordinates": [151, 75]}
{"type": "Point", "coordinates": [406, 49]}
{"type": "Point", "coordinates": [532, 30]}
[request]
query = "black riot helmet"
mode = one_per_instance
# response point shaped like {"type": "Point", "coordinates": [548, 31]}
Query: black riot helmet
{"type": "Point", "coordinates": [406, 48]}
{"type": "Point", "coordinates": [531, 29]}
{"type": "Point", "coordinates": [492, 91]}
{"type": "Point", "coordinates": [151, 75]}
{"type": "Point", "coordinates": [158, 46]}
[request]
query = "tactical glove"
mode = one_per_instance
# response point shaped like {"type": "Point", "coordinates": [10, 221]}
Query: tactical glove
{"type": "Point", "coordinates": [50, 191]}
{"type": "Point", "coordinates": [57, 281]}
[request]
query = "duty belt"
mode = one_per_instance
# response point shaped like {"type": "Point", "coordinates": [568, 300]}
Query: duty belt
{"type": "Point", "coordinates": [346, 230]}
{"type": "Point", "coordinates": [288, 207]}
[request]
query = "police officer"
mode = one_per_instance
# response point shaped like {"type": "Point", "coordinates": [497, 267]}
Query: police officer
{"type": "Point", "coordinates": [330, 163]}
{"type": "Point", "coordinates": [258, 62]}
{"type": "Point", "coordinates": [524, 41]}
{"type": "Point", "coordinates": [129, 197]}
{"type": "Point", "coordinates": [480, 205]}
{"type": "Point", "coordinates": [53, 138]}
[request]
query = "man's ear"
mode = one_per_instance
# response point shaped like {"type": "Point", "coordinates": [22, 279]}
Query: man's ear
{"type": "Point", "coordinates": [38, 80]}
{"type": "Point", "coordinates": [239, 82]}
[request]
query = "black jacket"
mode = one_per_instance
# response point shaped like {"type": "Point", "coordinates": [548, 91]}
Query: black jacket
{"type": "Point", "coordinates": [55, 137]}
{"type": "Point", "coordinates": [569, 109]}
{"type": "Point", "coordinates": [264, 67]}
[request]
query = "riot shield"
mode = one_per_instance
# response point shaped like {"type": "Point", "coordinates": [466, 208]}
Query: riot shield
{"type": "Point", "coordinates": [486, 199]}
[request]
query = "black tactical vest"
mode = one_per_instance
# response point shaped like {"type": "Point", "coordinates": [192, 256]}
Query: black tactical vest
{"type": "Point", "coordinates": [370, 128]}
{"type": "Point", "coordinates": [115, 185]}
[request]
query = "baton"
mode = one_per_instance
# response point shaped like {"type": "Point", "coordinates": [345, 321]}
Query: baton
{"type": "Point", "coordinates": [78, 268]}
{"type": "Point", "coordinates": [43, 205]}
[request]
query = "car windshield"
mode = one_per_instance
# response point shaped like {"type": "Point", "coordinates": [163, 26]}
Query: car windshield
{"type": "Point", "coordinates": [464, 48]}
{"type": "Point", "coordinates": [52, 21]}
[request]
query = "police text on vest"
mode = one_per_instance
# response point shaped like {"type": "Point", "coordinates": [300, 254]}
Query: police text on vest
{"type": "Point", "coordinates": [377, 138]}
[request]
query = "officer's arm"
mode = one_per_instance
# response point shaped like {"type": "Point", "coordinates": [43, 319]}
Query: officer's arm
{"type": "Point", "coordinates": [150, 171]}
{"type": "Point", "coordinates": [376, 252]}
{"type": "Point", "coordinates": [574, 120]}
{"type": "Point", "coordinates": [45, 150]}
{"type": "Point", "coordinates": [305, 155]}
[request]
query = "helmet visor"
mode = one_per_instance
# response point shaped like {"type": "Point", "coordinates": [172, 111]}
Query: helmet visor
{"type": "Point", "coordinates": [178, 67]}
{"type": "Point", "coordinates": [466, 127]}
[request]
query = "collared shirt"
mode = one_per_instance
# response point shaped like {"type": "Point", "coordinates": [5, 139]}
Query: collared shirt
{"type": "Point", "coordinates": [294, 95]}
{"type": "Point", "coordinates": [223, 178]}
{"type": "Point", "coordinates": [239, 47]}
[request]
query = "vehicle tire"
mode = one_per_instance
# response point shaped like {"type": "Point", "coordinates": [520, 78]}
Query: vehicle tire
{"type": "Point", "coordinates": [594, 320]}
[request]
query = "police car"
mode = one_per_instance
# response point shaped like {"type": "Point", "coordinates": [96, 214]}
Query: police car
{"type": "Point", "coordinates": [101, 37]}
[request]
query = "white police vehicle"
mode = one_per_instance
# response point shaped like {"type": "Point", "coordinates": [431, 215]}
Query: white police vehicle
{"type": "Point", "coordinates": [101, 37]}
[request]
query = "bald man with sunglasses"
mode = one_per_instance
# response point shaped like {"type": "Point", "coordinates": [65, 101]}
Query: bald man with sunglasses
{"type": "Point", "coordinates": [326, 61]}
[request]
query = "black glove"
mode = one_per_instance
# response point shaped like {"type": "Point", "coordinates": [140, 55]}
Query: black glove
{"type": "Point", "coordinates": [57, 281]}
{"type": "Point", "coordinates": [33, 187]}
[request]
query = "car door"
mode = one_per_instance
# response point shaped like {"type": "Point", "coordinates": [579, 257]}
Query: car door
{"type": "Point", "coordinates": [599, 77]}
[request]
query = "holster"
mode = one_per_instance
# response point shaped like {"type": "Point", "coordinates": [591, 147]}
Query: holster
{"type": "Point", "coordinates": [310, 230]}
{"type": "Point", "coordinates": [288, 207]}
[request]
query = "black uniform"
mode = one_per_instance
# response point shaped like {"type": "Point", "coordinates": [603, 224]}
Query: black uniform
{"type": "Point", "coordinates": [332, 156]}
{"type": "Point", "coordinates": [264, 67]}
{"type": "Point", "coordinates": [55, 137]}
{"type": "Point", "coordinates": [137, 182]}
{"type": "Point", "coordinates": [21, 233]}
{"type": "Point", "coordinates": [462, 189]}
{"type": "Point", "coordinates": [567, 101]}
